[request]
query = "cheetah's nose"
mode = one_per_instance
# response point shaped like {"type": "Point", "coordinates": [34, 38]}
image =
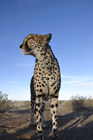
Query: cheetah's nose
{"type": "Point", "coordinates": [21, 46]}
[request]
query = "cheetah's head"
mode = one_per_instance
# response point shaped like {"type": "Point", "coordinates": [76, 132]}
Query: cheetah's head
{"type": "Point", "coordinates": [35, 45]}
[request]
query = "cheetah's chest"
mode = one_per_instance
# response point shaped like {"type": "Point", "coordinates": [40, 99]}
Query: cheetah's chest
{"type": "Point", "coordinates": [44, 70]}
{"type": "Point", "coordinates": [43, 76]}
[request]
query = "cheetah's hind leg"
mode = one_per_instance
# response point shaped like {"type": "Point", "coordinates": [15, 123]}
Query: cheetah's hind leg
{"type": "Point", "coordinates": [53, 109]}
{"type": "Point", "coordinates": [32, 114]}
{"type": "Point", "coordinates": [43, 108]}
{"type": "Point", "coordinates": [39, 111]}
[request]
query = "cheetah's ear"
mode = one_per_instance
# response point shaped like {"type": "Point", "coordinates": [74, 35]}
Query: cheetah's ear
{"type": "Point", "coordinates": [49, 36]}
{"type": "Point", "coordinates": [46, 38]}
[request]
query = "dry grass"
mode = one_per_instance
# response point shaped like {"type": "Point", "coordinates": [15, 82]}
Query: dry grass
{"type": "Point", "coordinates": [77, 103]}
{"type": "Point", "coordinates": [72, 125]}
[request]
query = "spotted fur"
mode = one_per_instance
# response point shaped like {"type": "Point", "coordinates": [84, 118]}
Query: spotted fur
{"type": "Point", "coordinates": [46, 80]}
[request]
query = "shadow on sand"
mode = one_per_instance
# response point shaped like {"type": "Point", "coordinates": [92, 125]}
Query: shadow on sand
{"type": "Point", "coordinates": [71, 127]}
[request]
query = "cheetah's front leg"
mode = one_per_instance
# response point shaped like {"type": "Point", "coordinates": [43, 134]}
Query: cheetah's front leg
{"type": "Point", "coordinates": [39, 112]}
{"type": "Point", "coordinates": [54, 108]}
{"type": "Point", "coordinates": [32, 102]}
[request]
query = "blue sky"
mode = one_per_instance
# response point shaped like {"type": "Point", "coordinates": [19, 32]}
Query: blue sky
{"type": "Point", "coordinates": [71, 25]}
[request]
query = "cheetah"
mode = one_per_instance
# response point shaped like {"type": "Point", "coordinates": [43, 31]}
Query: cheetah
{"type": "Point", "coordinates": [46, 80]}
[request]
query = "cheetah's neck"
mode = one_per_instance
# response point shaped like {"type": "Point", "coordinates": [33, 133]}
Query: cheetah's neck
{"type": "Point", "coordinates": [47, 57]}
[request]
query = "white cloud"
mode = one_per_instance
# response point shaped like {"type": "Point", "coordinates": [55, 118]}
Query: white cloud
{"type": "Point", "coordinates": [79, 83]}
{"type": "Point", "coordinates": [73, 85]}
{"type": "Point", "coordinates": [12, 82]}
{"type": "Point", "coordinates": [85, 84]}
{"type": "Point", "coordinates": [22, 65]}
{"type": "Point", "coordinates": [78, 80]}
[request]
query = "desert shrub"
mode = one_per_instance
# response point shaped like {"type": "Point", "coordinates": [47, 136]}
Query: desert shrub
{"type": "Point", "coordinates": [78, 103]}
{"type": "Point", "coordinates": [88, 103]}
{"type": "Point", "coordinates": [4, 102]}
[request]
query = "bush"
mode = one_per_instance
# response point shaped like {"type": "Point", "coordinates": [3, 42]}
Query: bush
{"type": "Point", "coordinates": [4, 102]}
{"type": "Point", "coordinates": [78, 103]}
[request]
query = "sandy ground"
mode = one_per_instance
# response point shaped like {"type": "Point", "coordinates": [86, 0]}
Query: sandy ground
{"type": "Point", "coordinates": [15, 124]}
